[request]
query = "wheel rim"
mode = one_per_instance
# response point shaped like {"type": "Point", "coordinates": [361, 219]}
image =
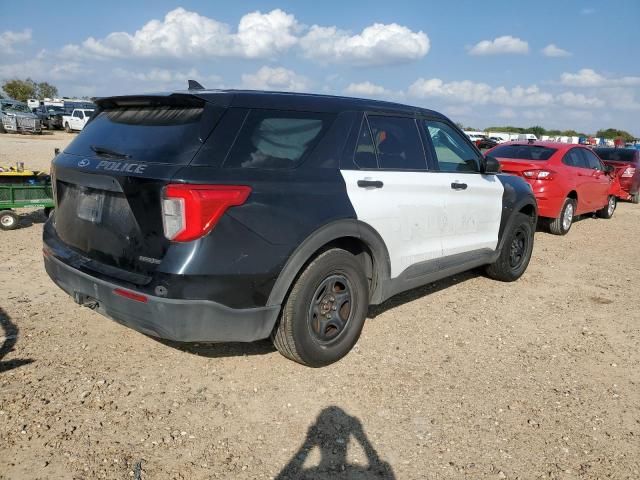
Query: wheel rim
{"type": "Point", "coordinates": [612, 206]}
{"type": "Point", "coordinates": [518, 249]}
{"type": "Point", "coordinates": [7, 221]}
{"type": "Point", "coordinates": [331, 309]}
{"type": "Point", "coordinates": [567, 218]}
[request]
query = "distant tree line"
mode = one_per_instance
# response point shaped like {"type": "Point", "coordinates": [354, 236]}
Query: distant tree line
{"type": "Point", "coordinates": [22, 90]}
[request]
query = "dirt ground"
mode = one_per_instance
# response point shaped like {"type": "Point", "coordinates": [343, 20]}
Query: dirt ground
{"type": "Point", "coordinates": [466, 378]}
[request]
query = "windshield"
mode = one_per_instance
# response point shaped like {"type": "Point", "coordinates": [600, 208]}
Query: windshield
{"type": "Point", "coordinates": [523, 152]}
{"type": "Point", "coordinates": [15, 107]}
{"type": "Point", "coordinates": [616, 154]}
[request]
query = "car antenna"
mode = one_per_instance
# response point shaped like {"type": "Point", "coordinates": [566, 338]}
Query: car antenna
{"type": "Point", "coordinates": [193, 85]}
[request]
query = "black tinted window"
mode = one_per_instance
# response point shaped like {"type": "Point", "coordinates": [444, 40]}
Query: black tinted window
{"type": "Point", "coordinates": [398, 143]}
{"type": "Point", "coordinates": [616, 154]}
{"type": "Point", "coordinates": [365, 155]}
{"type": "Point", "coordinates": [523, 152]}
{"type": "Point", "coordinates": [591, 159]}
{"type": "Point", "coordinates": [169, 134]}
{"type": "Point", "coordinates": [277, 139]}
{"type": "Point", "coordinates": [573, 158]}
{"type": "Point", "coordinates": [452, 150]}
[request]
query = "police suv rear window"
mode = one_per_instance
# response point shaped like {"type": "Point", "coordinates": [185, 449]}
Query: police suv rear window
{"type": "Point", "coordinates": [155, 134]}
{"type": "Point", "coordinates": [523, 152]}
{"type": "Point", "coordinates": [277, 139]}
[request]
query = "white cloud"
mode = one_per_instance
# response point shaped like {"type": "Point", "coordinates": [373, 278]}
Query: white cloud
{"type": "Point", "coordinates": [590, 78]}
{"type": "Point", "coordinates": [467, 91]}
{"type": "Point", "coordinates": [552, 50]}
{"type": "Point", "coordinates": [278, 78]}
{"type": "Point", "coordinates": [500, 45]}
{"type": "Point", "coordinates": [42, 70]}
{"type": "Point", "coordinates": [183, 33]}
{"type": "Point", "coordinates": [507, 113]}
{"type": "Point", "coordinates": [368, 89]}
{"type": "Point", "coordinates": [578, 100]}
{"type": "Point", "coordinates": [587, 11]}
{"type": "Point", "coordinates": [378, 44]}
{"type": "Point", "coordinates": [10, 38]}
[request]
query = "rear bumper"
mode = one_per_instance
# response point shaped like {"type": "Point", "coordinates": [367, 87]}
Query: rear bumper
{"type": "Point", "coordinates": [171, 319]}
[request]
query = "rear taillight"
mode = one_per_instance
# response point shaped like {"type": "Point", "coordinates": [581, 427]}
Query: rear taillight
{"type": "Point", "coordinates": [628, 172]}
{"type": "Point", "coordinates": [191, 211]}
{"type": "Point", "coordinates": [538, 174]}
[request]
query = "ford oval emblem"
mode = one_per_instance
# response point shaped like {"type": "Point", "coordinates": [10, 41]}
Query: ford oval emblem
{"type": "Point", "coordinates": [84, 162]}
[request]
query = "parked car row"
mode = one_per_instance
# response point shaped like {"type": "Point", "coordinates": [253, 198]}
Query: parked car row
{"type": "Point", "coordinates": [210, 215]}
{"type": "Point", "coordinates": [18, 117]}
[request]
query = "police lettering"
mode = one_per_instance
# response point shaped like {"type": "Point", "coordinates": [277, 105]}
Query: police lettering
{"type": "Point", "coordinates": [121, 167]}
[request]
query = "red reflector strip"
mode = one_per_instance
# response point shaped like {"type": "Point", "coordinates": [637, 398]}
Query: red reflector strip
{"type": "Point", "coordinates": [130, 295]}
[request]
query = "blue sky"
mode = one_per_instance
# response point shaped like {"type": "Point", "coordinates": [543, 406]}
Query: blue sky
{"type": "Point", "coordinates": [559, 64]}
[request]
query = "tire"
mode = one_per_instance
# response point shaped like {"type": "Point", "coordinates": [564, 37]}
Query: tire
{"type": "Point", "coordinates": [516, 251]}
{"type": "Point", "coordinates": [67, 128]}
{"type": "Point", "coordinates": [333, 285]}
{"type": "Point", "coordinates": [562, 224]}
{"type": "Point", "coordinates": [8, 220]}
{"type": "Point", "coordinates": [635, 198]}
{"type": "Point", "coordinates": [609, 209]}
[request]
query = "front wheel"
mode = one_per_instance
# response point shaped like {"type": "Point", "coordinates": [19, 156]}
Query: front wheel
{"type": "Point", "coordinates": [562, 224]}
{"type": "Point", "coordinates": [323, 315]}
{"type": "Point", "coordinates": [516, 251]}
{"type": "Point", "coordinates": [610, 207]}
{"type": "Point", "coordinates": [8, 220]}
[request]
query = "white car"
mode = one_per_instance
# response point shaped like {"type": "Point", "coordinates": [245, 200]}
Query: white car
{"type": "Point", "coordinates": [77, 120]}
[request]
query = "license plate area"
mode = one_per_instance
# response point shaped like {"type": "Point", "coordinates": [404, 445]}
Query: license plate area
{"type": "Point", "coordinates": [90, 207]}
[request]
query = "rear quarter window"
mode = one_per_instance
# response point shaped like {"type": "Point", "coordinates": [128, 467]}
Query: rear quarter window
{"type": "Point", "coordinates": [275, 139]}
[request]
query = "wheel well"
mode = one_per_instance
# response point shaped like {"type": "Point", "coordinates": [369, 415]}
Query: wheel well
{"type": "Point", "coordinates": [359, 249]}
{"type": "Point", "coordinates": [528, 210]}
{"type": "Point", "coordinates": [572, 194]}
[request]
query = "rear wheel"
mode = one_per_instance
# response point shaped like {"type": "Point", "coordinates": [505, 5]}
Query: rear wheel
{"type": "Point", "coordinates": [562, 224]}
{"type": "Point", "coordinates": [516, 251]}
{"type": "Point", "coordinates": [607, 211]}
{"type": "Point", "coordinates": [324, 313]}
{"type": "Point", "coordinates": [8, 220]}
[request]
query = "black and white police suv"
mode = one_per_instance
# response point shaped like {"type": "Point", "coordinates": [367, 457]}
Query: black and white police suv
{"type": "Point", "coordinates": [222, 216]}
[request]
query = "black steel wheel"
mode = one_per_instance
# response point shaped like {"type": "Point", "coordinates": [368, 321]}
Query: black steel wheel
{"type": "Point", "coordinates": [325, 310]}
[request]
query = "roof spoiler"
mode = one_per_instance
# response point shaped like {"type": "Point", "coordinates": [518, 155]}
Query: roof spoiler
{"type": "Point", "coordinates": [193, 85]}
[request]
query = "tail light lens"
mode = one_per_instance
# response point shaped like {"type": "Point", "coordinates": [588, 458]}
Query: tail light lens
{"type": "Point", "coordinates": [538, 174]}
{"type": "Point", "coordinates": [191, 211]}
{"type": "Point", "coordinates": [628, 172]}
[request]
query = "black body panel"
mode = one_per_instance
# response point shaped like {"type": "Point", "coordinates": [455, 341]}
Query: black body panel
{"type": "Point", "coordinates": [516, 197]}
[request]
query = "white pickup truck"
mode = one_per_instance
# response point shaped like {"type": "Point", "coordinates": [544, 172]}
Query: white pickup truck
{"type": "Point", "coordinates": [77, 120]}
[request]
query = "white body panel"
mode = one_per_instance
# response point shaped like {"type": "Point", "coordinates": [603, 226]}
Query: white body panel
{"type": "Point", "coordinates": [420, 217]}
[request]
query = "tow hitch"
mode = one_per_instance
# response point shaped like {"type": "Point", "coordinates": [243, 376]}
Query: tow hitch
{"type": "Point", "coordinates": [85, 300]}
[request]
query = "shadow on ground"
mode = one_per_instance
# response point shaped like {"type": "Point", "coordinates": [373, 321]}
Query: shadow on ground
{"type": "Point", "coordinates": [331, 434]}
{"type": "Point", "coordinates": [9, 339]}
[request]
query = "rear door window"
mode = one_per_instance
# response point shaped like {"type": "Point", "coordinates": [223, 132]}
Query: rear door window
{"type": "Point", "coordinates": [593, 162]}
{"type": "Point", "coordinates": [365, 154]}
{"type": "Point", "coordinates": [397, 142]}
{"type": "Point", "coordinates": [453, 152]}
{"type": "Point", "coordinates": [573, 158]}
{"type": "Point", "coordinates": [277, 139]}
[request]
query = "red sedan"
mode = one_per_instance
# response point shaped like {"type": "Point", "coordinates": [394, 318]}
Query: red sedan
{"type": "Point", "coordinates": [567, 180]}
{"type": "Point", "coordinates": [626, 161]}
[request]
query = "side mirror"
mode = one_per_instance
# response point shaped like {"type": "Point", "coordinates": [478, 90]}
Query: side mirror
{"type": "Point", "coordinates": [609, 169]}
{"type": "Point", "coordinates": [489, 165]}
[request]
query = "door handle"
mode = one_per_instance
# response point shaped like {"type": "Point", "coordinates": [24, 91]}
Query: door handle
{"type": "Point", "coordinates": [458, 186]}
{"type": "Point", "coordinates": [370, 184]}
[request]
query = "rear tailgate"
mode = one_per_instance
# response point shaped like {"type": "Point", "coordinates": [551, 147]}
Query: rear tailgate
{"type": "Point", "coordinates": [109, 180]}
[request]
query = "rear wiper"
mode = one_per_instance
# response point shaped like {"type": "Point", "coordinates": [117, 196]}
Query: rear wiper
{"type": "Point", "coordinates": [107, 152]}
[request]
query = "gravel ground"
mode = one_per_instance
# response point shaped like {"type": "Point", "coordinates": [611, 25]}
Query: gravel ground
{"type": "Point", "coordinates": [463, 379]}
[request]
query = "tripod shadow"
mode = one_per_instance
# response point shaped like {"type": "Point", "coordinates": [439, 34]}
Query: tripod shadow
{"type": "Point", "coordinates": [331, 433]}
{"type": "Point", "coordinates": [10, 338]}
